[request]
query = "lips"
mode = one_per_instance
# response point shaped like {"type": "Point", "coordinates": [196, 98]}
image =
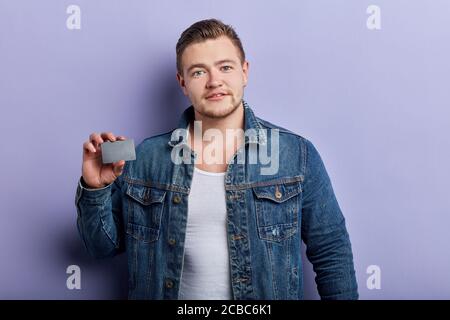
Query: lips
{"type": "Point", "coordinates": [216, 95]}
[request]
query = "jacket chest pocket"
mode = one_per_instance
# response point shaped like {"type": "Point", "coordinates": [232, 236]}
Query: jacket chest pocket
{"type": "Point", "coordinates": [145, 206]}
{"type": "Point", "coordinates": [277, 210]}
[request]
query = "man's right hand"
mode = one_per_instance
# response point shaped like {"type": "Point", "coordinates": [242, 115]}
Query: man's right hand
{"type": "Point", "coordinates": [95, 173]}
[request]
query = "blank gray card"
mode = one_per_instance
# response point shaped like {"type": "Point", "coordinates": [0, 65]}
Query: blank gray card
{"type": "Point", "coordinates": [118, 150]}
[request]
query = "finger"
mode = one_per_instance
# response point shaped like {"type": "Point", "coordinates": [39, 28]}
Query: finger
{"type": "Point", "coordinates": [120, 163]}
{"type": "Point", "coordinates": [108, 136]}
{"type": "Point", "coordinates": [89, 146]}
{"type": "Point", "coordinates": [121, 138]}
{"type": "Point", "coordinates": [118, 167]}
{"type": "Point", "coordinates": [96, 139]}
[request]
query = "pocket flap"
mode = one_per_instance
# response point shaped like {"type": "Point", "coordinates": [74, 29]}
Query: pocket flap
{"type": "Point", "coordinates": [145, 195]}
{"type": "Point", "coordinates": [278, 192]}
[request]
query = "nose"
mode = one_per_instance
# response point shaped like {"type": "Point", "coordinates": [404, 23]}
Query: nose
{"type": "Point", "coordinates": [214, 79]}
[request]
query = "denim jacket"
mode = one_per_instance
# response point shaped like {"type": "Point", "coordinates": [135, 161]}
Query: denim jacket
{"type": "Point", "coordinates": [144, 212]}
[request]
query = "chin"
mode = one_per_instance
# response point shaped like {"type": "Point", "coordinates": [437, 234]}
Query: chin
{"type": "Point", "coordinates": [217, 110]}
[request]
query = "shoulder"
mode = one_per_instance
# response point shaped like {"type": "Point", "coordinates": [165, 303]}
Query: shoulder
{"type": "Point", "coordinates": [283, 131]}
{"type": "Point", "coordinates": [294, 140]}
{"type": "Point", "coordinates": [157, 141]}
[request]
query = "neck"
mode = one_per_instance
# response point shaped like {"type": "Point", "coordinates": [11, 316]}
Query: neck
{"type": "Point", "coordinates": [231, 137]}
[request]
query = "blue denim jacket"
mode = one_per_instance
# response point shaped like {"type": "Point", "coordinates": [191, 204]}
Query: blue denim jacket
{"type": "Point", "coordinates": [144, 213]}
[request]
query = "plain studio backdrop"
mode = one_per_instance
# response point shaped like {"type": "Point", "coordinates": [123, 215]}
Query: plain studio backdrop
{"type": "Point", "coordinates": [366, 81]}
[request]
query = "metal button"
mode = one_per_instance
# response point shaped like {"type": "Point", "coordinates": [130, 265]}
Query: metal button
{"type": "Point", "coordinates": [278, 194]}
{"type": "Point", "coordinates": [172, 242]}
{"type": "Point", "coordinates": [169, 283]}
{"type": "Point", "coordinates": [176, 199]}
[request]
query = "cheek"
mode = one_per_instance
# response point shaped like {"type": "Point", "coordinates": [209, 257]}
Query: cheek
{"type": "Point", "coordinates": [197, 85]}
{"type": "Point", "coordinates": [192, 88]}
{"type": "Point", "coordinates": [237, 80]}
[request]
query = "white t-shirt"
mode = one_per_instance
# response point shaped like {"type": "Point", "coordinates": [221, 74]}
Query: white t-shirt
{"type": "Point", "coordinates": [206, 268]}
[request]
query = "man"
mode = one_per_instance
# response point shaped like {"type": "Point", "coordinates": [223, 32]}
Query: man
{"type": "Point", "coordinates": [204, 217]}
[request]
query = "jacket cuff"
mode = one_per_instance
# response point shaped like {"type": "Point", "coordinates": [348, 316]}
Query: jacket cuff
{"type": "Point", "coordinates": [93, 196]}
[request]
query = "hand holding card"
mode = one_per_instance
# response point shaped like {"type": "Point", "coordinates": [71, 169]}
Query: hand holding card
{"type": "Point", "coordinates": [104, 157]}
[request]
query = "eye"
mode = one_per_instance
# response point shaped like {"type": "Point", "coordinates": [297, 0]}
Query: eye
{"type": "Point", "coordinates": [227, 68]}
{"type": "Point", "coordinates": [197, 73]}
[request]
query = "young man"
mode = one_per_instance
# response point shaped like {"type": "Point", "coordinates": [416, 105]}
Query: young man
{"type": "Point", "coordinates": [205, 214]}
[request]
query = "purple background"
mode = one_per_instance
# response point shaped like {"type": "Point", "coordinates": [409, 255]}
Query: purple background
{"type": "Point", "coordinates": [375, 104]}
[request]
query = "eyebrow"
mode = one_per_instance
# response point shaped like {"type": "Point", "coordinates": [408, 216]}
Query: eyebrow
{"type": "Point", "coordinates": [202, 65]}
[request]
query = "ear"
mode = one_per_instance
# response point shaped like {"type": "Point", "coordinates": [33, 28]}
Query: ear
{"type": "Point", "coordinates": [182, 83]}
{"type": "Point", "coordinates": [245, 67]}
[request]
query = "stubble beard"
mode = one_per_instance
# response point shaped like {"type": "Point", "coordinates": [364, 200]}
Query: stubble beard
{"type": "Point", "coordinates": [221, 112]}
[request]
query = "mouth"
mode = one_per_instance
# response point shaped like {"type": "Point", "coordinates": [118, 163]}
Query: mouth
{"type": "Point", "coordinates": [216, 96]}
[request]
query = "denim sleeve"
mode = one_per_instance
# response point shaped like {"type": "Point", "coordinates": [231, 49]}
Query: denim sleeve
{"type": "Point", "coordinates": [100, 219]}
{"type": "Point", "coordinates": [328, 245]}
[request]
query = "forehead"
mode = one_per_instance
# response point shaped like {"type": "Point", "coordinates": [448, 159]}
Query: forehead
{"type": "Point", "coordinates": [210, 51]}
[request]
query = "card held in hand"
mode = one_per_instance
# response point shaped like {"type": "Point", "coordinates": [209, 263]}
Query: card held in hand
{"type": "Point", "coordinates": [118, 150]}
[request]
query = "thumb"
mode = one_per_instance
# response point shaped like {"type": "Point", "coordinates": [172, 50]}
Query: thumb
{"type": "Point", "coordinates": [118, 167]}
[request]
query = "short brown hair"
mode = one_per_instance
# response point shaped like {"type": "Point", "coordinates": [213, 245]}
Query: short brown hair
{"type": "Point", "coordinates": [204, 30]}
